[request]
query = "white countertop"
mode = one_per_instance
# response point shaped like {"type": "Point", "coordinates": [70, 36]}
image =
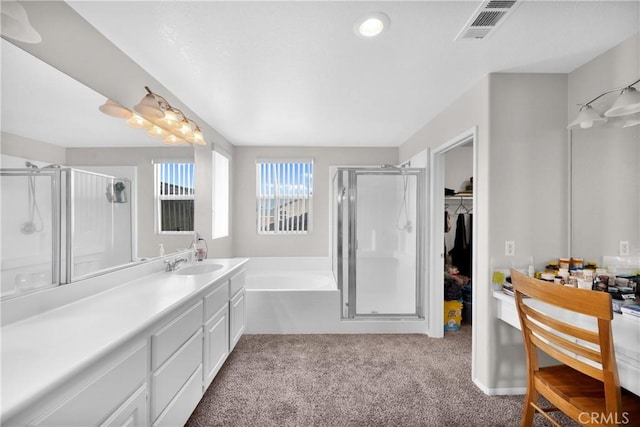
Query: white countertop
{"type": "Point", "coordinates": [41, 352]}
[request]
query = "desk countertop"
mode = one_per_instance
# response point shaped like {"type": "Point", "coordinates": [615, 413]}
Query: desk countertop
{"type": "Point", "coordinates": [626, 337]}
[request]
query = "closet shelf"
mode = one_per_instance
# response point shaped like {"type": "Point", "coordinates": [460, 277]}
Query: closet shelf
{"type": "Point", "coordinates": [459, 197]}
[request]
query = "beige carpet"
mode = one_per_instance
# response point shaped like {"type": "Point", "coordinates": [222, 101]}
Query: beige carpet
{"type": "Point", "coordinates": [352, 380]}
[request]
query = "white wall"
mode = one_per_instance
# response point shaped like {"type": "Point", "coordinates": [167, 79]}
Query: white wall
{"type": "Point", "coordinates": [606, 176]}
{"type": "Point", "coordinates": [247, 242]}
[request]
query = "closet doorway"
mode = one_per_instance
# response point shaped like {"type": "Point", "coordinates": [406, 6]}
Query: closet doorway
{"type": "Point", "coordinates": [453, 242]}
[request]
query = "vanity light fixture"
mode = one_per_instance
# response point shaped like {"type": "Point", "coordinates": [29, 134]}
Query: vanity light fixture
{"type": "Point", "coordinates": [371, 25]}
{"type": "Point", "coordinates": [627, 103]}
{"type": "Point", "coordinates": [159, 118]}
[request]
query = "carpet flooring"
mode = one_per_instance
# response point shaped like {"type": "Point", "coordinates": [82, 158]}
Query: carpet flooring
{"type": "Point", "coordinates": [352, 380]}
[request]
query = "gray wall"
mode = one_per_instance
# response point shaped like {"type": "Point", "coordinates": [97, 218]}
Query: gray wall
{"type": "Point", "coordinates": [246, 240]}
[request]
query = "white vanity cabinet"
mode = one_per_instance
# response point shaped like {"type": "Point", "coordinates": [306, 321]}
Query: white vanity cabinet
{"type": "Point", "coordinates": [236, 308]}
{"type": "Point", "coordinates": [149, 372]}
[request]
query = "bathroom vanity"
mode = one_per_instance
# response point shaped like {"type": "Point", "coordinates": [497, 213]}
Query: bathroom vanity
{"type": "Point", "coordinates": [138, 354]}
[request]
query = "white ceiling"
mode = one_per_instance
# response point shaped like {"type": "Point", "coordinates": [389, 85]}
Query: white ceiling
{"type": "Point", "coordinates": [294, 73]}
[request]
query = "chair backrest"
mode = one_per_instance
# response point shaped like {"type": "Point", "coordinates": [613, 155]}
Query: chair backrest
{"type": "Point", "coordinates": [566, 342]}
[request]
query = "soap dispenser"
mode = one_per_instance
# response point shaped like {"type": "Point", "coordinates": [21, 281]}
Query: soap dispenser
{"type": "Point", "coordinates": [200, 248]}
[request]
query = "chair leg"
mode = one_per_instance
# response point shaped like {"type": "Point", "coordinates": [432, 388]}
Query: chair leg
{"type": "Point", "coordinates": [528, 411]}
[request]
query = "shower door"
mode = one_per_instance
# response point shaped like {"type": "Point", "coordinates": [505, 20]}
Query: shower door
{"type": "Point", "coordinates": [30, 221]}
{"type": "Point", "coordinates": [378, 241]}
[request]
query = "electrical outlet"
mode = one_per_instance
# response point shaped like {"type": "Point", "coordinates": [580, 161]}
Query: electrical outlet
{"type": "Point", "coordinates": [624, 248]}
{"type": "Point", "coordinates": [509, 248]}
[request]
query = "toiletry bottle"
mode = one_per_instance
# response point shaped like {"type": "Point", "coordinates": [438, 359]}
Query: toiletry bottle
{"type": "Point", "coordinates": [161, 249]}
{"type": "Point", "coordinates": [532, 270]}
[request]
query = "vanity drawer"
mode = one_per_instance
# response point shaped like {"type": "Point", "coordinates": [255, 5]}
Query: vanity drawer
{"type": "Point", "coordinates": [181, 407]}
{"type": "Point", "coordinates": [170, 337]}
{"type": "Point", "coordinates": [216, 299]}
{"type": "Point", "coordinates": [171, 377]}
{"type": "Point", "coordinates": [236, 283]}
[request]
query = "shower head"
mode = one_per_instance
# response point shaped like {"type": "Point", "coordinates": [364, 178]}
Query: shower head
{"type": "Point", "coordinates": [33, 166]}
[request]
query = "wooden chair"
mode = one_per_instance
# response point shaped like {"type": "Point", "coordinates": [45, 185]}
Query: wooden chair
{"type": "Point", "coordinates": [589, 393]}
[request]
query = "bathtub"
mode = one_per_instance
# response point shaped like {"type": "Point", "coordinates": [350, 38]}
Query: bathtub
{"type": "Point", "coordinates": [289, 296]}
{"type": "Point", "coordinates": [300, 296]}
{"type": "Point", "coordinates": [312, 280]}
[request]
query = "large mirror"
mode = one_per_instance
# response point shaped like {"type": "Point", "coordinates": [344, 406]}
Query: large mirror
{"type": "Point", "coordinates": [83, 201]}
{"type": "Point", "coordinates": [605, 199]}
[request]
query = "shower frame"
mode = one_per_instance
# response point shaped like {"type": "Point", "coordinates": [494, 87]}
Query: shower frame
{"type": "Point", "coordinates": [350, 190]}
{"type": "Point", "coordinates": [62, 220]}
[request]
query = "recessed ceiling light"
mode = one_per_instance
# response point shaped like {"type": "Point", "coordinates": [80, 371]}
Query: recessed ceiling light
{"type": "Point", "coordinates": [371, 25]}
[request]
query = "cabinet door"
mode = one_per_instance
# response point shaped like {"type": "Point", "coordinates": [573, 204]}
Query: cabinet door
{"type": "Point", "coordinates": [134, 412]}
{"type": "Point", "coordinates": [98, 399]}
{"type": "Point", "coordinates": [236, 306]}
{"type": "Point", "coordinates": [216, 343]}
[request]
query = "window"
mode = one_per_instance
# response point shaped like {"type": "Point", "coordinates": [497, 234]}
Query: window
{"type": "Point", "coordinates": [284, 194]}
{"type": "Point", "coordinates": [174, 191]}
{"type": "Point", "coordinates": [220, 198]}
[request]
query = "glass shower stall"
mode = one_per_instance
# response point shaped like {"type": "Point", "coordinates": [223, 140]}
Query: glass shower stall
{"type": "Point", "coordinates": [378, 241]}
{"type": "Point", "coordinates": [61, 225]}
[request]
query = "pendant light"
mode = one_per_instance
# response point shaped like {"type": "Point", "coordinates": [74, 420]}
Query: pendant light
{"type": "Point", "coordinates": [587, 117]}
{"type": "Point", "coordinates": [135, 121]}
{"type": "Point", "coordinates": [149, 107]}
{"type": "Point", "coordinates": [114, 109]}
{"type": "Point", "coordinates": [627, 103]}
{"type": "Point", "coordinates": [157, 132]}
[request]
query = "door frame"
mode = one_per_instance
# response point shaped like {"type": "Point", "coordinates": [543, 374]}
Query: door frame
{"type": "Point", "coordinates": [435, 292]}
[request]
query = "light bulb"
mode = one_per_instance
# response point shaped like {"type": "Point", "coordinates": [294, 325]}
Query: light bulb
{"type": "Point", "coordinates": [170, 120]}
{"type": "Point", "coordinates": [173, 140]}
{"type": "Point", "coordinates": [158, 132]}
{"type": "Point", "coordinates": [197, 138]}
{"type": "Point", "coordinates": [135, 121]}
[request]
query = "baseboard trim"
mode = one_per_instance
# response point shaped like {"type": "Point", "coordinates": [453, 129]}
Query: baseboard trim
{"type": "Point", "coordinates": [500, 391]}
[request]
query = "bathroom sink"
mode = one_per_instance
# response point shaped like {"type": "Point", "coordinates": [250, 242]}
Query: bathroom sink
{"type": "Point", "coordinates": [191, 270]}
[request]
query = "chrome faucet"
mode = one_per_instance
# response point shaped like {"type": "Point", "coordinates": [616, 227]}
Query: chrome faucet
{"type": "Point", "coordinates": [173, 265]}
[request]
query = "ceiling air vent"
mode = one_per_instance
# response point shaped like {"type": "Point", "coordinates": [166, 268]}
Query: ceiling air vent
{"type": "Point", "coordinates": [486, 18]}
